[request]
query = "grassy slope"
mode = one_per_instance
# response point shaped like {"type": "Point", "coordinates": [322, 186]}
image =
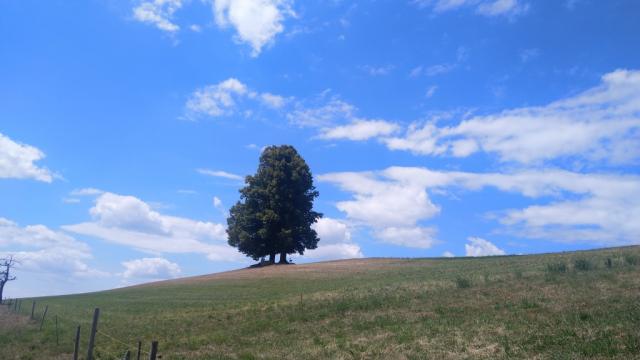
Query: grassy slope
{"type": "Point", "coordinates": [376, 308]}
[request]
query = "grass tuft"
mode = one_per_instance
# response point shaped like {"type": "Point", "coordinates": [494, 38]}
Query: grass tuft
{"type": "Point", "coordinates": [557, 268]}
{"type": "Point", "coordinates": [632, 259]}
{"type": "Point", "coordinates": [608, 263]}
{"type": "Point", "coordinates": [582, 264]}
{"type": "Point", "coordinates": [463, 283]}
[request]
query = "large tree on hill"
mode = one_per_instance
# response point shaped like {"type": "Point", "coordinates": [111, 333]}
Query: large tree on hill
{"type": "Point", "coordinates": [275, 211]}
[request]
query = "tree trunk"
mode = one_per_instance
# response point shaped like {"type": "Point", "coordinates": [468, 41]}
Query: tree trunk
{"type": "Point", "coordinates": [1, 290]}
{"type": "Point", "coordinates": [272, 258]}
{"type": "Point", "coordinates": [283, 258]}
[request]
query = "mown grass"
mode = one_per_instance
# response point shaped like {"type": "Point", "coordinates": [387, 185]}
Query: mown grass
{"type": "Point", "coordinates": [513, 307]}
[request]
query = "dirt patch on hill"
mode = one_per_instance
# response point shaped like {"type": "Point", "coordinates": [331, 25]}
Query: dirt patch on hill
{"type": "Point", "coordinates": [307, 271]}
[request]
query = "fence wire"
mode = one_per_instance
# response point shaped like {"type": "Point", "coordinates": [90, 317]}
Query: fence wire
{"type": "Point", "coordinates": [74, 323]}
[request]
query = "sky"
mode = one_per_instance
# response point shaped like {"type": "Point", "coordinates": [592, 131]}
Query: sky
{"type": "Point", "coordinates": [433, 128]}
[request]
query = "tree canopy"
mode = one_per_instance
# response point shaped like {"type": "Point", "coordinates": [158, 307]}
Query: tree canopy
{"type": "Point", "coordinates": [275, 211]}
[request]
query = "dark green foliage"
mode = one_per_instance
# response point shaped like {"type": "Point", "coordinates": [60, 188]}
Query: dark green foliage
{"type": "Point", "coordinates": [582, 264]}
{"type": "Point", "coordinates": [558, 267]}
{"type": "Point", "coordinates": [463, 283]}
{"type": "Point", "coordinates": [608, 263]}
{"type": "Point", "coordinates": [275, 211]}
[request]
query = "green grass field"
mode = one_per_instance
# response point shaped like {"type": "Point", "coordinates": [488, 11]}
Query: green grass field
{"type": "Point", "coordinates": [553, 306]}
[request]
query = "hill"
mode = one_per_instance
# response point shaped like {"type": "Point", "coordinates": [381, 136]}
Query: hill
{"type": "Point", "coordinates": [566, 305]}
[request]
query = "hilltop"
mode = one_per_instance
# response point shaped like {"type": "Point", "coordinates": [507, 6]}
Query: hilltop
{"type": "Point", "coordinates": [566, 305]}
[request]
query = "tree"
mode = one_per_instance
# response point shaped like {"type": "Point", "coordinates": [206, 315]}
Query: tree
{"type": "Point", "coordinates": [6, 264]}
{"type": "Point", "coordinates": [275, 211]}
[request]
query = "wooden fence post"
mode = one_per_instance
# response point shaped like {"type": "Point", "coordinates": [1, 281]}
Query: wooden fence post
{"type": "Point", "coordinates": [139, 350]}
{"type": "Point", "coordinates": [57, 338]}
{"type": "Point", "coordinates": [19, 306]}
{"type": "Point", "coordinates": [154, 350]}
{"type": "Point", "coordinates": [33, 309]}
{"type": "Point", "coordinates": [46, 308]}
{"type": "Point", "coordinates": [92, 335]}
{"type": "Point", "coordinates": [76, 345]}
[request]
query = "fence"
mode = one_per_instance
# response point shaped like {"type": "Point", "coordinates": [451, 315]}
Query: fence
{"type": "Point", "coordinates": [15, 305]}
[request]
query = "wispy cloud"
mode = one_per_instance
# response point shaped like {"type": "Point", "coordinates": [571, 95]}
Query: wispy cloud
{"type": "Point", "coordinates": [158, 13]}
{"type": "Point", "coordinates": [488, 8]}
{"type": "Point", "coordinates": [600, 124]}
{"type": "Point", "coordinates": [222, 99]}
{"type": "Point", "coordinates": [220, 173]}
{"type": "Point", "coordinates": [359, 129]}
{"type": "Point", "coordinates": [377, 70]}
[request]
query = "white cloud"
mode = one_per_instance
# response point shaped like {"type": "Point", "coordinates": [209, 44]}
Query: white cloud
{"type": "Point", "coordinates": [42, 250]}
{"type": "Point", "coordinates": [600, 124]}
{"type": "Point", "coordinates": [391, 208]}
{"type": "Point", "coordinates": [220, 173]}
{"type": "Point", "coordinates": [413, 237]}
{"type": "Point", "coordinates": [216, 100]}
{"type": "Point", "coordinates": [158, 13]}
{"type": "Point", "coordinates": [129, 221]}
{"type": "Point", "coordinates": [217, 202]}
{"type": "Point", "coordinates": [337, 120]}
{"type": "Point", "coordinates": [335, 241]}
{"type": "Point", "coordinates": [596, 208]}
{"type": "Point", "coordinates": [257, 22]}
{"type": "Point", "coordinates": [17, 161]}
{"type": "Point", "coordinates": [222, 99]}
{"type": "Point", "coordinates": [150, 268]}
{"type": "Point", "coordinates": [481, 247]}
{"type": "Point", "coordinates": [381, 201]}
{"type": "Point", "coordinates": [271, 100]}
{"type": "Point", "coordinates": [360, 129]}
{"type": "Point", "coordinates": [448, 254]}
{"type": "Point", "coordinates": [332, 231]}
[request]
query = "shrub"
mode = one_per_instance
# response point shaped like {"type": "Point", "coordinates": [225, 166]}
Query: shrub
{"type": "Point", "coordinates": [582, 265]}
{"type": "Point", "coordinates": [463, 283]}
{"type": "Point", "coordinates": [632, 259]}
{"type": "Point", "coordinates": [609, 263]}
{"type": "Point", "coordinates": [559, 267]}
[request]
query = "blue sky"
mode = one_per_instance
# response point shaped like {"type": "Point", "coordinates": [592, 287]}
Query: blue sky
{"type": "Point", "coordinates": [433, 128]}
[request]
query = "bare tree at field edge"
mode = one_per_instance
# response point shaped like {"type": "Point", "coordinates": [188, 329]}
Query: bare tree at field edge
{"type": "Point", "coordinates": [6, 264]}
